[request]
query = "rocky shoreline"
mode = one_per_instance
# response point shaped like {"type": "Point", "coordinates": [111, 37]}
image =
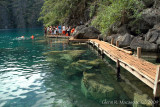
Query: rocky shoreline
{"type": "Point", "coordinates": [143, 32]}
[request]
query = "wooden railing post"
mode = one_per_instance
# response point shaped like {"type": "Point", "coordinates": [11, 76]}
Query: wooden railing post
{"type": "Point", "coordinates": [117, 43]}
{"type": "Point", "coordinates": [139, 52]}
{"type": "Point", "coordinates": [98, 46]}
{"type": "Point", "coordinates": [156, 90]}
{"type": "Point", "coordinates": [93, 44]}
{"type": "Point", "coordinates": [102, 54]}
{"type": "Point", "coordinates": [112, 40]}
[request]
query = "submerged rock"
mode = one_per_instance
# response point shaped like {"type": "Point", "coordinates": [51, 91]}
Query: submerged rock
{"type": "Point", "coordinates": [77, 68]}
{"type": "Point", "coordinates": [93, 86]}
{"type": "Point", "coordinates": [41, 41]}
{"type": "Point", "coordinates": [65, 57]}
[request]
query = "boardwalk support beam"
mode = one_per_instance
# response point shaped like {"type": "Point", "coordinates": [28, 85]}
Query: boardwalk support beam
{"type": "Point", "coordinates": [139, 52]}
{"type": "Point", "coordinates": [156, 91]}
{"type": "Point", "coordinates": [118, 69]}
{"type": "Point", "coordinates": [102, 54]}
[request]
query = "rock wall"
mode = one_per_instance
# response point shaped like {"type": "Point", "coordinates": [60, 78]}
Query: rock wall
{"type": "Point", "coordinates": [144, 32]}
{"type": "Point", "coordinates": [20, 13]}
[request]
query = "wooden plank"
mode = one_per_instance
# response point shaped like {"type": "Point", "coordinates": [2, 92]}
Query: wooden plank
{"type": "Point", "coordinates": [156, 91]}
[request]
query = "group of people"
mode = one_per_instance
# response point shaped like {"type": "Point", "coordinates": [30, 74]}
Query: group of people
{"type": "Point", "coordinates": [59, 30]}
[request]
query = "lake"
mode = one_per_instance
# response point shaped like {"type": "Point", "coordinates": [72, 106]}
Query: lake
{"type": "Point", "coordinates": [43, 72]}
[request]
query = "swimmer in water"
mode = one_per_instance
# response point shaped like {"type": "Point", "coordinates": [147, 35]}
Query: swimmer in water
{"type": "Point", "coordinates": [32, 37]}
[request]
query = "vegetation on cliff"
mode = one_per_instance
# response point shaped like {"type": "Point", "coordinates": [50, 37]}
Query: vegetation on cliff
{"type": "Point", "coordinates": [103, 12]}
{"type": "Point", "coordinates": [112, 11]}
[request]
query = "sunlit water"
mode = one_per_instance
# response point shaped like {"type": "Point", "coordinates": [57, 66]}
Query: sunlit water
{"type": "Point", "coordinates": [27, 79]}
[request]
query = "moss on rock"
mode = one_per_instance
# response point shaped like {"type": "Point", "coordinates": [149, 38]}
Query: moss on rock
{"type": "Point", "coordinates": [63, 58]}
{"type": "Point", "coordinates": [41, 41]}
{"type": "Point", "coordinates": [94, 87]}
{"type": "Point", "coordinates": [77, 68]}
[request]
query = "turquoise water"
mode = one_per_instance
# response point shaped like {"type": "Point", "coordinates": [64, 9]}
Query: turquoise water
{"type": "Point", "coordinates": [29, 78]}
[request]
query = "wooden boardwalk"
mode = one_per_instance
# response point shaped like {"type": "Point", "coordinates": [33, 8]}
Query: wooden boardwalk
{"type": "Point", "coordinates": [58, 36]}
{"type": "Point", "coordinates": [145, 71]}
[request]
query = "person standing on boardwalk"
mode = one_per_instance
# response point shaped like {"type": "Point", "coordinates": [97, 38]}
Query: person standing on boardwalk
{"type": "Point", "coordinates": [47, 29]}
{"type": "Point", "coordinates": [63, 30]}
{"type": "Point", "coordinates": [60, 29]}
{"type": "Point", "coordinates": [55, 30]}
{"type": "Point", "coordinates": [68, 30]}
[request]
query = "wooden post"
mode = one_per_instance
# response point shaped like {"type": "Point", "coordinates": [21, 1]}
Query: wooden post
{"type": "Point", "coordinates": [112, 40]}
{"type": "Point", "coordinates": [139, 52]}
{"type": "Point", "coordinates": [156, 90]}
{"type": "Point", "coordinates": [98, 46]}
{"type": "Point", "coordinates": [117, 43]}
{"type": "Point", "coordinates": [118, 69]}
{"type": "Point", "coordinates": [94, 44]}
{"type": "Point", "coordinates": [102, 54]}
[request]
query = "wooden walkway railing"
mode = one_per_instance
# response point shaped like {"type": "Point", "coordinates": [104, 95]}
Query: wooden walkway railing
{"type": "Point", "coordinates": [145, 71]}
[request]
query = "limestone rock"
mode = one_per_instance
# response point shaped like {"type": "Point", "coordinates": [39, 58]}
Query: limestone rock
{"type": "Point", "coordinates": [125, 40]}
{"type": "Point", "coordinates": [83, 32]}
{"type": "Point", "coordinates": [139, 26]}
{"type": "Point", "coordinates": [148, 3]}
{"type": "Point", "coordinates": [157, 4]}
{"type": "Point", "coordinates": [151, 16]}
{"type": "Point", "coordinates": [145, 45]}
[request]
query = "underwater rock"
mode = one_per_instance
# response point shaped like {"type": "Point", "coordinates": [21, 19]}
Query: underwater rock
{"type": "Point", "coordinates": [141, 100]}
{"type": "Point", "coordinates": [93, 86]}
{"type": "Point", "coordinates": [62, 58]}
{"type": "Point", "coordinates": [41, 41]}
{"type": "Point", "coordinates": [77, 68]}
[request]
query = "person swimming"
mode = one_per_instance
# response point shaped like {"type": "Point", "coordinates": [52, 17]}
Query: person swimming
{"type": "Point", "coordinates": [32, 37]}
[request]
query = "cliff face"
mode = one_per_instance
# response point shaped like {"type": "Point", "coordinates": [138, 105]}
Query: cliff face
{"type": "Point", "coordinates": [20, 13]}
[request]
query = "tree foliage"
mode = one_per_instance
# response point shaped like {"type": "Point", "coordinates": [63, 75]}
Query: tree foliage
{"type": "Point", "coordinates": [56, 11]}
{"type": "Point", "coordinates": [111, 11]}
